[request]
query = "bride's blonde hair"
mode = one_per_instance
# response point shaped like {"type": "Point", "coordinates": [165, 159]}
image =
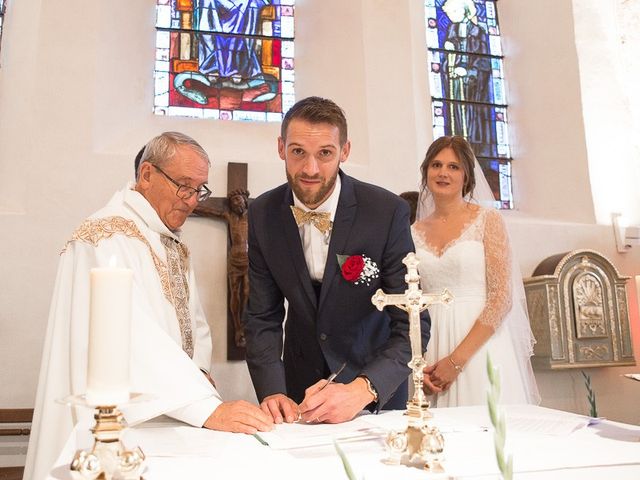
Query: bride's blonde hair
{"type": "Point", "coordinates": [465, 155]}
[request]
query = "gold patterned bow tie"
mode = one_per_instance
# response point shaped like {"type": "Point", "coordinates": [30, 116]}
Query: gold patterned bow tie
{"type": "Point", "coordinates": [320, 220]}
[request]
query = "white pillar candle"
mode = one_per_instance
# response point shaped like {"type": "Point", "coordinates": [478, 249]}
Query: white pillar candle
{"type": "Point", "coordinates": [109, 336]}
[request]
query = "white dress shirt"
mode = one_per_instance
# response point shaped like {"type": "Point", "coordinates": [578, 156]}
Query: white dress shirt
{"type": "Point", "coordinates": [315, 244]}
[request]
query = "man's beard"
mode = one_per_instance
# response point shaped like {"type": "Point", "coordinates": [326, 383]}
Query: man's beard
{"type": "Point", "coordinates": [310, 198]}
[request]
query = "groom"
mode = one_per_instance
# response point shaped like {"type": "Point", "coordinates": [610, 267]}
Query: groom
{"type": "Point", "coordinates": [299, 236]}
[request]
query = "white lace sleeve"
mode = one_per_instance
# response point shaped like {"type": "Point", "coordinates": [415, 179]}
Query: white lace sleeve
{"type": "Point", "coordinates": [497, 254]}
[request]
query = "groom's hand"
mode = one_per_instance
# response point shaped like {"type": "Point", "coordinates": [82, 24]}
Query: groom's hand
{"type": "Point", "coordinates": [336, 403]}
{"type": "Point", "coordinates": [281, 408]}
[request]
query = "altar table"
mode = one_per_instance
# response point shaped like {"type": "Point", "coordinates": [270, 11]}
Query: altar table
{"type": "Point", "coordinates": [540, 440]}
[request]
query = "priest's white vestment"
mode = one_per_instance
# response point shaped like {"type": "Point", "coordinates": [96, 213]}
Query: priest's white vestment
{"type": "Point", "coordinates": [170, 339]}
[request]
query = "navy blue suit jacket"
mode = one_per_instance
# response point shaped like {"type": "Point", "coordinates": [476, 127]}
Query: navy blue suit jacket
{"type": "Point", "coordinates": [342, 325]}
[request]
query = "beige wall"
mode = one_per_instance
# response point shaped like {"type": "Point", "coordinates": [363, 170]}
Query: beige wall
{"type": "Point", "coordinates": [75, 107]}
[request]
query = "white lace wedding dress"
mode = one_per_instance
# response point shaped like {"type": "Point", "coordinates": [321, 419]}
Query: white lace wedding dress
{"type": "Point", "coordinates": [476, 268]}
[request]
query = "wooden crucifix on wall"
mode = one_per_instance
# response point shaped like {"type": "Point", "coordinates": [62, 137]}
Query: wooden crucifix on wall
{"type": "Point", "coordinates": [233, 210]}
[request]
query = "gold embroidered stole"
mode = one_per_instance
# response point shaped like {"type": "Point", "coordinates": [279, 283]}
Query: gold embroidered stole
{"type": "Point", "coordinates": [172, 274]}
{"type": "Point", "coordinates": [177, 257]}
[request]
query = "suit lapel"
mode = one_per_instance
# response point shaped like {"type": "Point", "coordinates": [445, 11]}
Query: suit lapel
{"type": "Point", "coordinates": [292, 236]}
{"type": "Point", "coordinates": [342, 223]}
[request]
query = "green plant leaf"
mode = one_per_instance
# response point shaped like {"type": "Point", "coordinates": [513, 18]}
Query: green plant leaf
{"type": "Point", "coordinates": [489, 369]}
{"type": "Point", "coordinates": [591, 395]}
{"type": "Point", "coordinates": [345, 461]}
{"type": "Point", "coordinates": [498, 421]}
{"type": "Point", "coordinates": [492, 409]}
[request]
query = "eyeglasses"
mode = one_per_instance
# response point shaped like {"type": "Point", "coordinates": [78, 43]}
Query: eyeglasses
{"type": "Point", "coordinates": [185, 192]}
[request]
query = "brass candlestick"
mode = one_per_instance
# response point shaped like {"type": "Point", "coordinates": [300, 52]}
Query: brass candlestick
{"type": "Point", "coordinates": [108, 459]}
{"type": "Point", "coordinates": [419, 439]}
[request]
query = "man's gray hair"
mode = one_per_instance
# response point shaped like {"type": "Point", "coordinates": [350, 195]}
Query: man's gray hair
{"type": "Point", "coordinates": [161, 149]}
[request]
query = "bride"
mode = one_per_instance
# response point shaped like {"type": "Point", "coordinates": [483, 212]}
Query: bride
{"type": "Point", "coordinates": [464, 247]}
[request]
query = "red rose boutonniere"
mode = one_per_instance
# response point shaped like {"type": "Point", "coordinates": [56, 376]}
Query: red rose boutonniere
{"type": "Point", "coordinates": [358, 269]}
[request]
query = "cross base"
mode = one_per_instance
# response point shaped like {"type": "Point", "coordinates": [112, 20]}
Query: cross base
{"type": "Point", "coordinates": [418, 445]}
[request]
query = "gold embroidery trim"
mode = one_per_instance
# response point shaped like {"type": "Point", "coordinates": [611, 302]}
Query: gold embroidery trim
{"type": "Point", "coordinates": [172, 279]}
{"type": "Point", "coordinates": [180, 289]}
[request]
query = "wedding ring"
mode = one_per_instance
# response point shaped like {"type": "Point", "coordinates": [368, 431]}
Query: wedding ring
{"type": "Point", "coordinates": [299, 416]}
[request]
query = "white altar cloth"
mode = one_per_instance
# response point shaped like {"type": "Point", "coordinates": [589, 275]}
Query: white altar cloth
{"type": "Point", "coordinates": [545, 444]}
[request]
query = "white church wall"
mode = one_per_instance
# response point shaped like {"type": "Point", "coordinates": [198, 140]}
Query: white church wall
{"type": "Point", "coordinates": [75, 106]}
{"type": "Point", "coordinates": [543, 84]}
{"type": "Point", "coordinates": [606, 36]}
{"type": "Point", "coordinates": [553, 174]}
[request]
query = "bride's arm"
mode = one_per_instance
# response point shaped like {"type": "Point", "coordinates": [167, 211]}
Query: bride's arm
{"type": "Point", "coordinates": [497, 254]}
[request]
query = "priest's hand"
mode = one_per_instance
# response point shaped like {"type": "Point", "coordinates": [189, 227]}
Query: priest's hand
{"type": "Point", "coordinates": [336, 403]}
{"type": "Point", "coordinates": [239, 417]}
{"type": "Point", "coordinates": [280, 408]}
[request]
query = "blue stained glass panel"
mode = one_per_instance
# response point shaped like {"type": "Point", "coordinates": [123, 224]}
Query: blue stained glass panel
{"type": "Point", "coordinates": [163, 16]}
{"type": "Point", "coordinates": [498, 174]}
{"type": "Point", "coordinates": [498, 91]}
{"type": "Point", "coordinates": [466, 78]}
{"type": "Point", "coordinates": [235, 16]}
{"type": "Point", "coordinates": [495, 46]}
{"type": "Point", "coordinates": [480, 129]}
{"type": "Point", "coordinates": [224, 59]}
{"type": "Point", "coordinates": [490, 10]}
{"type": "Point", "coordinates": [453, 32]}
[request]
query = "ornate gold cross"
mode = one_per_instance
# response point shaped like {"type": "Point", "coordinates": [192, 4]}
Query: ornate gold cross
{"type": "Point", "coordinates": [413, 301]}
{"type": "Point", "coordinates": [418, 439]}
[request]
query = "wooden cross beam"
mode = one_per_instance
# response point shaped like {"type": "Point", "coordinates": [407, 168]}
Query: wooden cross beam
{"type": "Point", "coordinates": [233, 210]}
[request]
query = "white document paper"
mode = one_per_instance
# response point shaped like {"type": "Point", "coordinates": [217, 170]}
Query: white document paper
{"type": "Point", "coordinates": [300, 435]}
{"type": "Point", "coordinates": [186, 441]}
{"type": "Point", "coordinates": [546, 425]}
{"type": "Point", "coordinates": [397, 420]}
{"type": "Point", "coordinates": [520, 419]}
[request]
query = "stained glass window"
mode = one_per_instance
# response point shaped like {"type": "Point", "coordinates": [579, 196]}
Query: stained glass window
{"type": "Point", "coordinates": [467, 85]}
{"type": "Point", "coordinates": [3, 6]}
{"type": "Point", "coordinates": [224, 59]}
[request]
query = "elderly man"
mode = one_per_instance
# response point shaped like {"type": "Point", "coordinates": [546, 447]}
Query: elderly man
{"type": "Point", "coordinates": [170, 341]}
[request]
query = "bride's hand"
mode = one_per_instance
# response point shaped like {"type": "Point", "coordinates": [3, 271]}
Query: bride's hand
{"type": "Point", "coordinates": [442, 374]}
{"type": "Point", "coordinates": [429, 386]}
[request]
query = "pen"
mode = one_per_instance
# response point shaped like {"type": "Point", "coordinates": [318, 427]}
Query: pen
{"type": "Point", "coordinates": [329, 381]}
{"type": "Point", "coordinates": [333, 376]}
